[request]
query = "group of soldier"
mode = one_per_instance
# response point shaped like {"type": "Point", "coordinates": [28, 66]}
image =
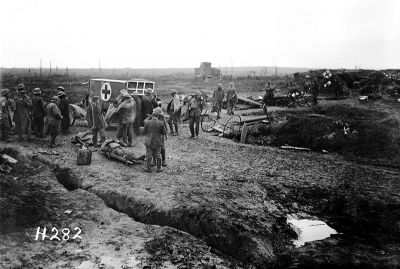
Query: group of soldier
{"type": "Point", "coordinates": [155, 126]}
{"type": "Point", "coordinates": [24, 114]}
{"type": "Point", "coordinates": [29, 115]}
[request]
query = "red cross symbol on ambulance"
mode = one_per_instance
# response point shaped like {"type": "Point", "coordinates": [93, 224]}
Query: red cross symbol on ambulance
{"type": "Point", "coordinates": [105, 91]}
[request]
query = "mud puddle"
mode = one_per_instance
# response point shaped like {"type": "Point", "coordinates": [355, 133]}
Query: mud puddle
{"type": "Point", "coordinates": [110, 262]}
{"type": "Point", "coordinates": [309, 230]}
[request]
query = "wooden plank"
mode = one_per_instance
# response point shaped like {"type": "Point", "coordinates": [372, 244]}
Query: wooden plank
{"type": "Point", "coordinates": [255, 119]}
{"type": "Point", "coordinates": [248, 101]}
{"type": "Point", "coordinates": [295, 148]}
{"type": "Point", "coordinates": [243, 136]}
{"type": "Point", "coordinates": [218, 129]}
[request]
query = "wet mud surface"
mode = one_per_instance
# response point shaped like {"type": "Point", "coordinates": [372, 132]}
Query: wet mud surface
{"type": "Point", "coordinates": [227, 204]}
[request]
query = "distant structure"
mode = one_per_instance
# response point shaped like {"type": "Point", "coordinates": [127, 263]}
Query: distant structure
{"type": "Point", "coordinates": [206, 71]}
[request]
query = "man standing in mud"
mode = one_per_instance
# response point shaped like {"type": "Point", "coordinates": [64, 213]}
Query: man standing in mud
{"type": "Point", "coordinates": [231, 99]}
{"type": "Point", "coordinates": [154, 130]}
{"type": "Point", "coordinates": [269, 96]}
{"type": "Point", "coordinates": [136, 123]}
{"type": "Point", "coordinates": [5, 105]}
{"type": "Point", "coordinates": [54, 118]}
{"type": "Point", "coordinates": [22, 118]}
{"type": "Point", "coordinates": [38, 113]}
{"type": "Point", "coordinates": [64, 108]}
{"type": "Point", "coordinates": [174, 112]}
{"type": "Point", "coordinates": [315, 90]}
{"type": "Point", "coordinates": [164, 137]}
{"type": "Point", "coordinates": [125, 120]}
{"type": "Point", "coordinates": [147, 106]}
{"type": "Point", "coordinates": [95, 120]}
{"type": "Point", "coordinates": [307, 84]}
{"type": "Point", "coordinates": [195, 106]}
{"type": "Point", "coordinates": [218, 97]}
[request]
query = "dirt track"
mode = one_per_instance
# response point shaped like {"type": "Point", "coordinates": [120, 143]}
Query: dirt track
{"type": "Point", "coordinates": [236, 198]}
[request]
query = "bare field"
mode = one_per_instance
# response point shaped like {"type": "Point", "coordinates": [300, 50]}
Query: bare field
{"type": "Point", "coordinates": [218, 203]}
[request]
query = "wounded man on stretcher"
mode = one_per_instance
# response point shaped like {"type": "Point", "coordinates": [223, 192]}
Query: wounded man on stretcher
{"type": "Point", "coordinates": [115, 149]}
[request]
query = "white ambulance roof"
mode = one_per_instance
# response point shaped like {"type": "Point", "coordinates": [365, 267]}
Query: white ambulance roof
{"type": "Point", "coordinates": [108, 80]}
{"type": "Point", "coordinates": [123, 81]}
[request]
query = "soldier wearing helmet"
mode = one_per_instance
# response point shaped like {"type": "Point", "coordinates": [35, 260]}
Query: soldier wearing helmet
{"type": "Point", "coordinates": [195, 106]}
{"type": "Point", "coordinates": [231, 99]}
{"type": "Point", "coordinates": [23, 105]}
{"type": "Point", "coordinates": [95, 120]}
{"type": "Point", "coordinates": [54, 118]}
{"type": "Point", "coordinates": [154, 130]}
{"type": "Point", "coordinates": [174, 112]}
{"type": "Point", "coordinates": [218, 97]}
{"type": "Point", "coordinates": [38, 113]}
{"type": "Point", "coordinates": [63, 104]}
{"type": "Point", "coordinates": [126, 116]}
{"type": "Point", "coordinates": [5, 119]}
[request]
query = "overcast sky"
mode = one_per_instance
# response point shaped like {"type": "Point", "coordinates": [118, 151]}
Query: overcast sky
{"type": "Point", "coordinates": [182, 33]}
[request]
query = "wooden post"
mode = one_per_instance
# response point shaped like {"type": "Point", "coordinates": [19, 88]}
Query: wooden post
{"type": "Point", "coordinates": [243, 136]}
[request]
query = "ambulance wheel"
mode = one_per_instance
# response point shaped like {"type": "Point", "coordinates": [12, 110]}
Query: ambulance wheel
{"type": "Point", "coordinates": [71, 117]}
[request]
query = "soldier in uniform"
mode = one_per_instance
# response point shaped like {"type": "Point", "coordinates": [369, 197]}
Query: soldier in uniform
{"type": "Point", "coordinates": [154, 130]}
{"type": "Point", "coordinates": [218, 97]}
{"type": "Point", "coordinates": [125, 122]}
{"type": "Point", "coordinates": [147, 106]}
{"type": "Point", "coordinates": [315, 90]}
{"type": "Point", "coordinates": [22, 118]}
{"type": "Point", "coordinates": [38, 113]}
{"type": "Point", "coordinates": [54, 118]}
{"type": "Point", "coordinates": [174, 112]}
{"type": "Point", "coordinates": [231, 99]}
{"type": "Point", "coordinates": [137, 122]}
{"type": "Point", "coordinates": [195, 106]}
{"type": "Point", "coordinates": [63, 104]}
{"type": "Point", "coordinates": [5, 106]}
{"type": "Point", "coordinates": [95, 120]}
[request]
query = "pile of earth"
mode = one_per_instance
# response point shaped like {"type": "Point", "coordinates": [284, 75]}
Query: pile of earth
{"type": "Point", "coordinates": [22, 202]}
{"type": "Point", "coordinates": [350, 130]}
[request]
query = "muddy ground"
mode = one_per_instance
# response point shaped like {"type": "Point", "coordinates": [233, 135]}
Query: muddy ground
{"type": "Point", "coordinates": [217, 204]}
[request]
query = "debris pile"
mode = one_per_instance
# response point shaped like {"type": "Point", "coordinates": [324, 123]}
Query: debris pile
{"type": "Point", "coordinates": [6, 163]}
{"type": "Point", "coordinates": [338, 128]}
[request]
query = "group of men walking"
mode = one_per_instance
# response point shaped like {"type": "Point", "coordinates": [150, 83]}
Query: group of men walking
{"type": "Point", "coordinates": [29, 115]}
{"type": "Point", "coordinates": [231, 99]}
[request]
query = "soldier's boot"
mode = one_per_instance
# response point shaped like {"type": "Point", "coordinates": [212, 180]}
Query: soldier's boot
{"type": "Point", "coordinates": [176, 129]}
{"type": "Point", "coordinates": [130, 144]}
{"type": "Point", "coordinates": [191, 127]}
{"type": "Point", "coordinates": [94, 142]}
{"type": "Point", "coordinates": [158, 160]}
{"type": "Point", "coordinates": [148, 164]}
{"type": "Point", "coordinates": [163, 163]}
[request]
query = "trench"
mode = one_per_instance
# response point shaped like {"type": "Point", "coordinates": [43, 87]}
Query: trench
{"type": "Point", "coordinates": [347, 212]}
{"type": "Point", "coordinates": [224, 235]}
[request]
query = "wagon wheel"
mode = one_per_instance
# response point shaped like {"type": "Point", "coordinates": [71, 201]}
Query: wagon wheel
{"type": "Point", "coordinates": [207, 122]}
{"type": "Point", "coordinates": [309, 100]}
{"type": "Point", "coordinates": [233, 125]}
